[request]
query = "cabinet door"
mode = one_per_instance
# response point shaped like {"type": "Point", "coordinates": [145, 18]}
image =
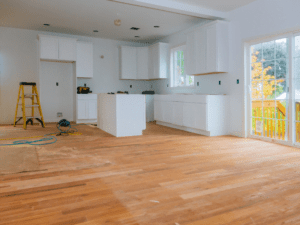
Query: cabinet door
{"type": "Point", "coordinates": [188, 114]}
{"type": "Point", "coordinates": [142, 63]}
{"type": "Point", "coordinates": [49, 48]}
{"type": "Point", "coordinates": [211, 44]}
{"type": "Point", "coordinates": [201, 51]}
{"type": "Point", "coordinates": [84, 61]}
{"type": "Point", "coordinates": [167, 111]}
{"type": "Point", "coordinates": [67, 49]}
{"type": "Point", "coordinates": [92, 109]}
{"type": "Point", "coordinates": [177, 118]}
{"type": "Point", "coordinates": [82, 108]}
{"type": "Point", "coordinates": [128, 63]}
{"type": "Point", "coordinates": [189, 57]}
{"type": "Point", "coordinates": [158, 113]}
{"type": "Point", "coordinates": [200, 116]}
{"type": "Point", "coordinates": [163, 60]}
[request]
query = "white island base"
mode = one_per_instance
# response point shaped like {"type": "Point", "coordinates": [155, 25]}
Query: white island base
{"type": "Point", "coordinates": [122, 114]}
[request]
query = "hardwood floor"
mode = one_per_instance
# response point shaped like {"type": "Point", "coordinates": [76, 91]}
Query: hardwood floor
{"type": "Point", "coordinates": [166, 176]}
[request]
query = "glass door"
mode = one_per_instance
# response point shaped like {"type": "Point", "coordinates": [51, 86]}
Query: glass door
{"type": "Point", "coordinates": [269, 89]}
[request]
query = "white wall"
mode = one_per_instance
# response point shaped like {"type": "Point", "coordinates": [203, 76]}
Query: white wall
{"type": "Point", "coordinates": [208, 84]}
{"type": "Point", "coordinates": [259, 19]}
{"type": "Point", "coordinates": [54, 98]}
{"type": "Point", "coordinates": [19, 61]}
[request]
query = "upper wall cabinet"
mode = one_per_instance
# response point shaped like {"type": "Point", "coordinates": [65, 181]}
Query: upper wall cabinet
{"type": "Point", "coordinates": [128, 63]}
{"type": "Point", "coordinates": [57, 48]}
{"type": "Point", "coordinates": [207, 49]}
{"type": "Point", "coordinates": [158, 61]}
{"type": "Point", "coordinates": [144, 63]}
{"type": "Point", "coordinates": [84, 61]}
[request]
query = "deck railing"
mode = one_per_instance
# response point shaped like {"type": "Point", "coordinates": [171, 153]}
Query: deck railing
{"type": "Point", "coordinates": [266, 112]}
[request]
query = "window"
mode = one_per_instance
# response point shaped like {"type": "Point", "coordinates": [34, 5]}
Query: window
{"type": "Point", "coordinates": [177, 71]}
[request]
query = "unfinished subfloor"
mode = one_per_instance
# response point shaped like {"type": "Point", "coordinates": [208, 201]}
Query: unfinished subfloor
{"type": "Point", "coordinates": [166, 176]}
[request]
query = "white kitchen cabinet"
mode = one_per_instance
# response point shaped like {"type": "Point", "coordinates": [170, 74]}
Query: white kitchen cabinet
{"type": "Point", "coordinates": [92, 107]}
{"type": "Point", "coordinates": [202, 114]}
{"type": "Point", "coordinates": [189, 114]}
{"type": "Point", "coordinates": [158, 61]}
{"type": "Point", "coordinates": [207, 49]}
{"type": "Point", "coordinates": [67, 49]}
{"type": "Point", "coordinates": [85, 58]}
{"type": "Point", "coordinates": [167, 111]}
{"type": "Point", "coordinates": [55, 48]}
{"type": "Point", "coordinates": [142, 63]}
{"type": "Point", "coordinates": [177, 115]}
{"type": "Point", "coordinates": [128, 61]}
{"type": "Point", "coordinates": [86, 108]}
{"type": "Point", "coordinates": [48, 47]}
{"type": "Point", "coordinates": [158, 110]}
{"type": "Point", "coordinates": [82, 109]}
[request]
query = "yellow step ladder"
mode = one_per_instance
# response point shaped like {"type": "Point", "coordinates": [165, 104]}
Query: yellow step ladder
{"type": "Point", "coordinates": [33, 105]}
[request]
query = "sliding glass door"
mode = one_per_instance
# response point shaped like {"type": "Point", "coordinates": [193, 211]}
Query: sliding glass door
{"type": "Point", "coordinates": [269, 89]}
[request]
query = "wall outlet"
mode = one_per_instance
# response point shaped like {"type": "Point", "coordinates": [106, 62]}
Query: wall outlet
{"type": "Point", "coordinates": [219, 82]}
{"type": "Point", "coordinates": [56, 83]}
{"type": "Point", "coordinates": [130, 85]}
{"type": "Point", "coordinates": [237, 81]}
{"type": "Point", "coordinates": [59, 114]}
{"type": "Point", "coordinates": [198, 84]}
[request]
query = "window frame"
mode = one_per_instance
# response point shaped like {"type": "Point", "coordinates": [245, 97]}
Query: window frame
{"type": "Point", "coordinates": [181, 47]}
{"type": "Point", "coordinates": [291, 137]}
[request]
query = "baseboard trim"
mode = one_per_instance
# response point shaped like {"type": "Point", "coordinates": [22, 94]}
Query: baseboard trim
{"type": "Point", "coordinates": [192, 130]}
{"type": "Point", "coordinates": [86, 121]}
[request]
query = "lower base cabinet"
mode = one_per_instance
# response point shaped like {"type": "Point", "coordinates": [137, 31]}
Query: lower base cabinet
{"type": "Point", "coordinates": [86, 108]}
{"type": "Point", "coordinates": [207, 116]}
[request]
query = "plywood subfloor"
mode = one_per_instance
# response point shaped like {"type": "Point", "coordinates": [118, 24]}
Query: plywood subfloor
{"type": "Point", "coordinates": [166, 176]}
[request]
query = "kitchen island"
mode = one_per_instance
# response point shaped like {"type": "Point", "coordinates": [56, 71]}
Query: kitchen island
{"type": "Point", "coordinates": [122, 114]}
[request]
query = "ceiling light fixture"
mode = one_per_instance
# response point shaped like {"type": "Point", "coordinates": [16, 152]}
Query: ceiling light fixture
{"type": "Point", "coordinates": [46, 24]}
{"type": "Point", "coordinates": [156, 26]}
{"type": "Point", "coordinates": [95, 31]}
{"type": "Point", "coordinates": [117, 22]}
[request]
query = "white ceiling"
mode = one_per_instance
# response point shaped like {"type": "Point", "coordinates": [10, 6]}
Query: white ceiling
{"type": "Point", "coordinates": [81, 17]}
{"type": "Point", "coordinates": [219, 5]}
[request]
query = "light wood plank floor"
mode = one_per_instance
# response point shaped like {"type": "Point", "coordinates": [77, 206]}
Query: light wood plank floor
{"type": "Point", "coordinates": [166, 176]}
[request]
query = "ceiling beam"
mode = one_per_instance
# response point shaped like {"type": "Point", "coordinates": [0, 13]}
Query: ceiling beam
{"type": "Point", "coordinates": [177, 7]}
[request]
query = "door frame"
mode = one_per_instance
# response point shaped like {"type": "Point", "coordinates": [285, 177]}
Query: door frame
{"type": "Point", "coordinates": [291, 139]}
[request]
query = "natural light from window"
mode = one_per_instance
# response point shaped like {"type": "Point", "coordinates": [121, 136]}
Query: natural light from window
{"type": "Point", "coordinates": [178, 76]}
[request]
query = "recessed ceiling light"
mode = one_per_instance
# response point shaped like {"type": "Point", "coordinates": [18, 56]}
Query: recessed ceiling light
{"type": "Point", "coordinates": [156, 26]}
{"type": "Point", "coordinates": [46, 24]}
{"type": "Point", "coordinates": [95, 31]}
{"type": "Point", "coordinates": [134, 28]}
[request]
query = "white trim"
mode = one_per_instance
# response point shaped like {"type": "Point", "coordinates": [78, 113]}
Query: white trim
{"type": "Point", "coordinates": [277, 141]}
{"type": "Point", "coordinates": [188, 129]}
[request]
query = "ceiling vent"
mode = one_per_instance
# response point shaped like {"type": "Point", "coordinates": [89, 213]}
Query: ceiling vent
{"type": "Point", "coordinates": [134, 28]}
